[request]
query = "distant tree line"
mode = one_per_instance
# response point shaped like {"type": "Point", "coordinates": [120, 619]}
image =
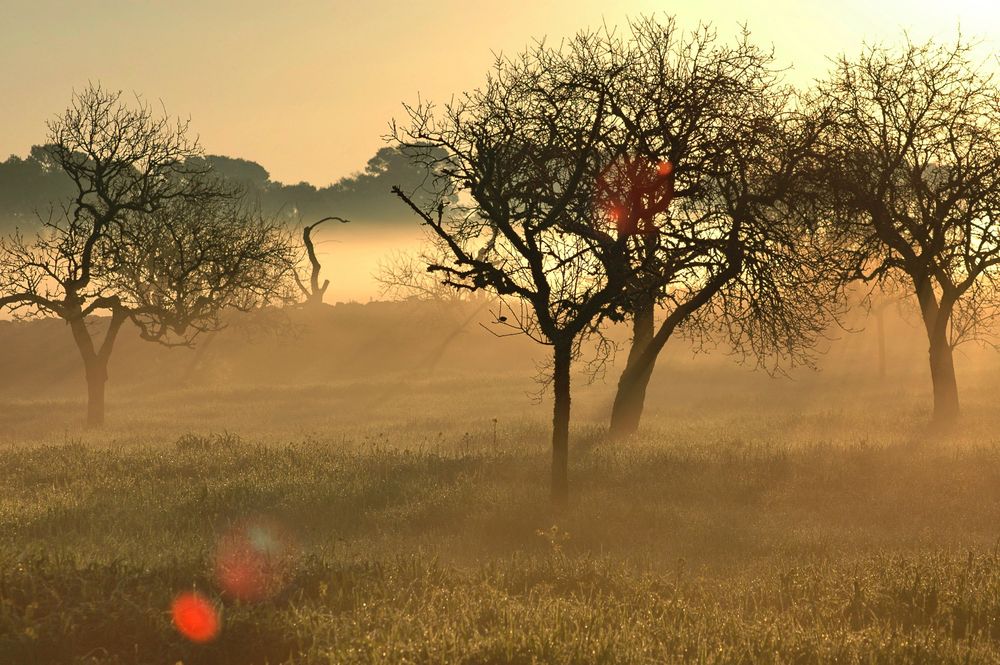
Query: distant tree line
{"type": "Point", "coordinates": [30, 184]}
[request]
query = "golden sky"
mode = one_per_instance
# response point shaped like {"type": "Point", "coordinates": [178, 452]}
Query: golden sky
{"type": "Point", "coordinates": [307, 87]}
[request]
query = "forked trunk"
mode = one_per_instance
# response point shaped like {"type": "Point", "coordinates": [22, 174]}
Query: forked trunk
{"type": "Point", "coordinates": [95, 362]}
{"type": "Point", "coordinates": [648, 341]}
{"type": "Point", "coordinates": [562, 354]}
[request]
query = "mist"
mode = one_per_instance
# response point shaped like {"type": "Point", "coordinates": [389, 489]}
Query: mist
{"type": "Point", "coordinates": [449, 334]}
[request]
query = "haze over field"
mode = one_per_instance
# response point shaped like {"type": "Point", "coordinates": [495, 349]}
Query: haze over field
{"type": "Point", "coordinates": [533, 332]}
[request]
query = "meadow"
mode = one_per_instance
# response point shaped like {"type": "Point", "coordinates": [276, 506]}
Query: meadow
{"type": "Point", "coordinates": [805, 519]}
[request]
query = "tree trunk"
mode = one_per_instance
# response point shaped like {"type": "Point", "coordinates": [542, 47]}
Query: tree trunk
{"type": "Point", "coordinates": [943, 378]}
{"type": "Point", "coordinates": [647, 344]}
{"type": "Point", "coordinates": [562, 354]}
{"type": "Point", "coordinates": [97, 378]}
{"type": "Point", "coordinates": [936, 317]}
{"type": "Point", "coordinates": [631, 396]}
{"type": "Point", "coordinates": [95, 361]}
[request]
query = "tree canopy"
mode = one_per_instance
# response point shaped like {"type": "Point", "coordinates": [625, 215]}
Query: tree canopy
{"type": "Point", "coordinates": [911, 166]}
{"type": "Point", "coordinates": [148, 236]}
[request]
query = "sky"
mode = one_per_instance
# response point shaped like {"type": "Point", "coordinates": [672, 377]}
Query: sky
{"type": "Point", "coordinates": [307, 87]}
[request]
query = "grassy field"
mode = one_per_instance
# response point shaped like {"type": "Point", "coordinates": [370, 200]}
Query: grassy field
{"type": "Point", "coordinates": [754, 520]}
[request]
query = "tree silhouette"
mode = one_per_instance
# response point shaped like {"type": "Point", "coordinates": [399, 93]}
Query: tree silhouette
{"type": "Point", "coordinates": [515, 164]}
{"type": "Point", "coordinates": [615, 177]}
{"type": "Point", "coordinates": [314, 291]}
{"type": "Point", "coordinates": [912, 167]}
{"type": "Point", "coordinates": [703, 177]}
{"type": "Point", "coordinates": [146, 238]}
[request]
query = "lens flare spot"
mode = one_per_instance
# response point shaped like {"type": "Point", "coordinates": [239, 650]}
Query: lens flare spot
{"type": "Point", "coordinates": [634, 193]}
{"type": "Point", "coordinates": [253, 560]}
{"type": "Point", "coordinates": [195, 617]}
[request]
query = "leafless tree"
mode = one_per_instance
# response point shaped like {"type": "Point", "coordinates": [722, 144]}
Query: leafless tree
{"type": "Point", "coordinates": [912, 165]}
{"type": "Point", "coordinates": [704, 179]}
{"type": "Point", "coordinates": [148, 238]}
{"type": "Point", "coordinates": [619, 176]}
{"type": "Point", "coordinates": [314, 291]}
{"type": "Point", "coordinates": [521, 156]}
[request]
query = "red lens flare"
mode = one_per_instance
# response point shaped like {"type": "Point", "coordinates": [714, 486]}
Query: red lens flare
{"type": "Point", "coordinates": [195, 617]}
{"type": "Point", "coordinates": [633, 191]}
{"type": "Point", "coordinates": [253, 560]}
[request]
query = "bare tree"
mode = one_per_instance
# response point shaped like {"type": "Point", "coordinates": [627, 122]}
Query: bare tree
{"type": "Point", "coordinates": [521, 156]}
{"type": "Point", "coordinates": [912, 165]}
{"type": "Point", "coordinates": [707, 187]}
{"type": "Point", "coordinates": [314, 291]}
{"type": "Point", "coordinates": [147, 238]}
{"type": "Point", "coordinates": [620, 176]}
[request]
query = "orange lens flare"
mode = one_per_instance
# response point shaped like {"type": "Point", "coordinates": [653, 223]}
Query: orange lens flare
{"type": "Point", "coordinates": [633, 192]}
{"type": "Point", "coordinates": [195, 617]}
{"type": "Point", "coordinates": [252, 561]}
